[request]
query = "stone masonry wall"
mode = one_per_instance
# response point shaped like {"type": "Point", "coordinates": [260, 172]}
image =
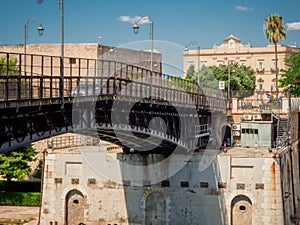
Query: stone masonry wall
{"type": "Point", "coordinates": [188, 197]}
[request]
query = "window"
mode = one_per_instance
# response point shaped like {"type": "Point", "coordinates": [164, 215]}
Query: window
{"type": "Point", "coordinates": [249, 131]}
{"type": "Point", "coordinates": [184, 184]}
{"type": "Point", "coordinates": [165, 183]}
{"type": "Point", "coordinates": [260, 65]}
{"type": "Point", "coordinates": [204, 184]}
{"type": "Point", "coordinates": [72, 61]}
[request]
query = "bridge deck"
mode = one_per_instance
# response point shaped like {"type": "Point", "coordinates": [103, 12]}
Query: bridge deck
{"type": "Point", "coordinates": [38, 101]}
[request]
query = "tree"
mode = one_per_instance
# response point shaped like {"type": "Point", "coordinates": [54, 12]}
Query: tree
{"type": "Point", "coordinates": [14, 164]}
{"type": "Point", "coordinates": [242, 79]}
{"type": "Point", "coordinates": [8, 68]}
{"type": "Point", "coordinates": [190, 73]}
{"type": "Point", "coordinates": [275, 30]}
{"type": "Point", "coordinates": [291, 76]}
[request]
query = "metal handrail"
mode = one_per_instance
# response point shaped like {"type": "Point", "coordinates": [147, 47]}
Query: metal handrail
{"type": "Point", "coordinates": [42, 81]}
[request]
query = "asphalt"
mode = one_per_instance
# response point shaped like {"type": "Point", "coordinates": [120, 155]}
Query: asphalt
{"type": "Point", "coordinates": [17, 214]}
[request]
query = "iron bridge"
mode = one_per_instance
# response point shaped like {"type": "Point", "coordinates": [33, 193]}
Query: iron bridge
{"type": "Point", "coordinates": [125, 104]}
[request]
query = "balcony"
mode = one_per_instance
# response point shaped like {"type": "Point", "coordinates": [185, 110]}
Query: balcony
{"type": "Point", "coordinates": [273, 70]}
{"type": "Point", "coordinates": [260, 70]}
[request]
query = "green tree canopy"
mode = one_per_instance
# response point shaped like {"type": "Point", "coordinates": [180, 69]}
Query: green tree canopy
{"type": "Point", "coordinates": [14, 164]}
{"type": "Point", "coordinates": [9, 68]}
{"type": "Point", "coordinates": [275, 30]}
{"type": "Point", "coordinates": [242, 79]}
{"type": "Point", "coordinates": [291, 76]}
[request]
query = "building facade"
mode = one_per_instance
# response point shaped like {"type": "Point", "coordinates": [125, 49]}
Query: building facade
{"type": "Point", "coordinates": [260, 59]}
{"type": "Point", "coordinates": [91, 184]}
{"type": "Point", "coordinates": [91, 52]}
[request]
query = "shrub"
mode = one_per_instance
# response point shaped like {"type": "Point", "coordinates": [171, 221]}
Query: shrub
{"type": "Point", "coordinates": [20, 198]}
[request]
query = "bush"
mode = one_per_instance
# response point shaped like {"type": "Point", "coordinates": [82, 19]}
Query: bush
{"type": "Point", "coordinates": [21, 186]}
{"type": "Point", "coordinates": [20, 198]}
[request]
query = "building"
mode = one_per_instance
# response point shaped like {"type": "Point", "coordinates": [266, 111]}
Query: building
{"type": "Point", "coordinates": [85, 182]}
{"type": "Point", "coordinates": [260, 59]}
{"type": "Point", "coordinates": [90, 63]}
{"type": "Point", "coordinates": [91, 52]}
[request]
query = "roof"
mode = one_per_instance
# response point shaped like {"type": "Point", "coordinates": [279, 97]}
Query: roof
{"type": "Point", "coordinates": [232, 37]}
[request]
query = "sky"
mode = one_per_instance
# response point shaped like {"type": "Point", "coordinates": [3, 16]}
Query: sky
{"type": "Point", "coordinates": [177, 22]}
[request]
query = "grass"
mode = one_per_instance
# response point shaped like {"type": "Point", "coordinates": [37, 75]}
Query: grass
{"type": "Point", "coordinates": [20, 198]}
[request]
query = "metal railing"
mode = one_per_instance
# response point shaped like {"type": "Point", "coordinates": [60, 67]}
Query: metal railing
{"type": "Point", "coordinates": [258, 104]}
{"type": "Point", "coordinates": [72, 141]}
{"type": "Point", "coordinates": [40, 80]}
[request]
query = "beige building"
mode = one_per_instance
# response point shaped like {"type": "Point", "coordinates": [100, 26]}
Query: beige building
{"type": "Point", "coordinates": [260, 59]}
{"type": "Point", "coordinates": [79, 58]}
{"type": "Point", "coordinates": [90, 183]}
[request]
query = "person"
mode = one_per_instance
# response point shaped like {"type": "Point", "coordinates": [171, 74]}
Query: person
{"type": "Point", "coordinates": [81, 224]}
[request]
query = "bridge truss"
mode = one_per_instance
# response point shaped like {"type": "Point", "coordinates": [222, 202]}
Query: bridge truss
{"type": "Point", "coordinates": [122, 103]}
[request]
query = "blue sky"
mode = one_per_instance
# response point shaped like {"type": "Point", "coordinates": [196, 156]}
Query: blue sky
{"type": "Point", "coordinates": [175, 21]}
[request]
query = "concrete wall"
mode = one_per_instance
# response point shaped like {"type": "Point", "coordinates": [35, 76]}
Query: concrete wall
{"type": "Point", "coordinates": [228, 186]}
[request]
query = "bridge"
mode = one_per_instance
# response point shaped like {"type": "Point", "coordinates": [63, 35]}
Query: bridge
{"type": "Point", "coordinates": [129, 105]}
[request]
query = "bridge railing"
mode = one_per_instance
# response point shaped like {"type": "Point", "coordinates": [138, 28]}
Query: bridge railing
{"type": "Point", "coordinates": [27, 78]}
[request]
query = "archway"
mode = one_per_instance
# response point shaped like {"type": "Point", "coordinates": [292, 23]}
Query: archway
{"type": "Point", "coordinates": [241, 211]}
{"type": "Point", "coordinates": [155, 209]}
{"type": "Point", "coordinates": [74, 207]}
{"type": "Point", "coordinates": [226, 131]}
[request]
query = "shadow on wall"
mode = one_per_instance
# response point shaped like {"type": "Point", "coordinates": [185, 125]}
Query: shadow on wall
{"type": "Point", "coordinates": [187, 197]}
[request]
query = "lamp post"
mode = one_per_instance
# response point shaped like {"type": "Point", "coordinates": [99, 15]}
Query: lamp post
{"type": "Point", "coordinates": [229, 79]}
{"type": "Point", "coordinates": [26, 38]}
{"type": "Point", "coordinates": [100, 45]}
{"type": "Point", "coordinates": [136, 31]}
{"type": "Point", "coordinates": [61, 8]}
{"type": "Point", "coordinates": [198, 53]}
{"type": "Point", "coordinates": [40, 31]}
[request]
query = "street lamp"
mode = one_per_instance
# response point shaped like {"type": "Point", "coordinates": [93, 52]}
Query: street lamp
{"type": "Point", "coordinates": [26, 38]}
{"type": "Point", "coordinates": [198, 53]}
{"type": "Point", "coordinates": [61, 8]}
{"type": "Point", "coordinates": [100, 45]}
{"type": "Point", "coordinates": [229, 78]}
{"type": "Point", "coordinates": [136, 31]}
{"type": "Point", "coordinates": [40, 29]}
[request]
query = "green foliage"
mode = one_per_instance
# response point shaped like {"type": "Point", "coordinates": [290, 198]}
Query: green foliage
{"type": "Point", "coordinates": [38, 171]}
{"type": "Point", "coordinates": [242, 79]}
{"type": "Point", "coordinates": [190, 73]}
{"type": "Point", "coordinates": [20, 198]}
{"type": "Point", "coordinates": [291, 76]}
{"type": "Point", "coordinates": [9, 68]}
{"type": "Point", "coordinates": [14, 164]}
{"type": "Point", "coordinates": [274, 28]}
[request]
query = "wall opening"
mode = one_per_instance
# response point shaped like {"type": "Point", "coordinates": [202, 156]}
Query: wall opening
{"type": "Point", "coordinates": [241, 211]}
{"type": "Point", "coordinates": [226, 130]}
{"type": "Point", "coordinates": [155, 209]}
{"type": "Point", "coordinates": [74, 207]}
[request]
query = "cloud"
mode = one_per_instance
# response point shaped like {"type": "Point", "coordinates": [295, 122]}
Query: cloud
{"type": "Point", "coordinates": [243, 8]}
{"type": "Point", "coordinates": [293, 26]}
{"type": "Point", "coordinates": [135, 19]}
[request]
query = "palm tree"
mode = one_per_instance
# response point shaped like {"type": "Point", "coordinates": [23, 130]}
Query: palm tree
{"type": "Point", "coordinates": [275, 30]}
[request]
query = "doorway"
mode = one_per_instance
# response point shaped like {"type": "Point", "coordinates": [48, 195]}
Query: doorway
{"type": "Point", "coordinates": [74, 207]}
{"type": "Point", "coordinates": [241, 211]}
